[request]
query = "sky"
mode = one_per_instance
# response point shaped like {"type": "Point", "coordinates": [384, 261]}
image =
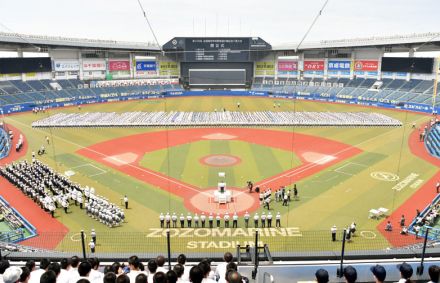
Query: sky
{"type": "Point", "coordinates": [276, 21]}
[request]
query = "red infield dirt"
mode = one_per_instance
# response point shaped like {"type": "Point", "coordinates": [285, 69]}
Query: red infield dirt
{"type": "Point", "coordinates": [50, 231]}
{"type": "Point", "coordinates": [419, 200]}
{"type": "Point", "coordinates": [316, 154]}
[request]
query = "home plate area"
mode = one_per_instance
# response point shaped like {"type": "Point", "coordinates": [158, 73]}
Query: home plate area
{"type": "Point", "coordinates": [241, 202]}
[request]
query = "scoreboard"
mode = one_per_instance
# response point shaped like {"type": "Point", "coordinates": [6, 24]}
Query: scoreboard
{"type": "Point", "coordinates": [215, 49]}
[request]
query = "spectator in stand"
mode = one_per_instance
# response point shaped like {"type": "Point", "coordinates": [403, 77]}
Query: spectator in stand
{"type": "Point", "coordinates": [233, 277]}
{"type": "Point", "coordinates": [406, 271]}
{"type": "Point", "coordinates": [95, 274]}
{"type": "Point", "coordinates": [84, 269]}
{"type": "Point", "coordinates": [133, 264]}
{"type": "Point", "coordinates": [141, 278]}
{"type": "Point", "coordinates": [64, 273]}
{"type": "Point", "coordinates": [220, 271]}
{"type": "Point", "coordinates": [55, 267]}
{"type": "Point", "coordinates": [171, 276]}
{"type": "Point", "coordinates": [321, 276]}
{"type": "Point", "coordinates": [25, 275]}
{"type": "Point", "coordinates": [4, 264]}
{"type": "Point", "coordinates": [110, 277]}
{"type": "Point", "coordinates": [123, 278]}
{"type": "Point", "coordinates": [31, 265]}
{"type": "Point", "coordinates": [36, 274]}
{"type": "Point", "coordinates": [350, 274]}
{"type": "Point", "coordinates": [179, 270]}
{"type": "Point", "coordinates": [205, 266]}
{"type": "Point", "coordinates": [48, 277]}
{"type": "Point", "coordinates": [434, 272]}
{"type": "Point", "coordinates": [196, 274]}
{"type": "Point", "coordinates": [181, 259]}
{"type": "Point", "coordinates": [160, 264]}
{"type": "Point", "coordinates": [12, 274]}
{"type": "Point", "coordinates": [159, 277]}
{"type": "Point", "coordinates": [232, 266]}
{"type": "Point", "coordinates": [152, 268]}
{"type": "Point", "coordinates": [74, 262]}
{"type": "Point", "coordinates": [117, 268]}
{"type": "Point", "coordinates": [379, 273]}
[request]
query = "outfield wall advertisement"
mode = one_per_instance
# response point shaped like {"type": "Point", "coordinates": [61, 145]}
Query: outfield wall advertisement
{"type": "Point", "coordinates": [168, 69]}
{"type": "Point", "coordinates": [265, 68]}
{"type": "Point", "coordinates": [119, 65]}
{"type": "Point", "coordinates": [287, 68]}
{"type": "Point", "coordinates": [315, 67]}
{"type": "Point", "coordinates": [367, 68]}
{"type": "Point", "coordinates": [94, 65]}
{"type": "Point", "coordinates": [115, 96]}
{"type": "Point", "coordinates": [146, 68]}
{"type": "Point", "coordinates": [65, 65]}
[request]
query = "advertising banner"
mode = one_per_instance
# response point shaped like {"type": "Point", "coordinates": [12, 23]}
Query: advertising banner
{"type": "Point", "coordinates": [313, 65]}
{"type": "Point", "coordinates": [94, 65]}
{"type": "Point", "coordinates": [119, 65]}
{"type": "Point", "coordinates": [168, 69]}
{"type": "Point", "coordinates": [146, 66]}
{"type": "Point", "coordinates": [366, 65]}
{"type": "Point", "coordinates": [265, 68]}
{"type": "Point", "coordinates": [287, 66]}
{"type": "Point", "coordinates": [339, 66]}
{"type": "Point", "coordinates": [66, 65]}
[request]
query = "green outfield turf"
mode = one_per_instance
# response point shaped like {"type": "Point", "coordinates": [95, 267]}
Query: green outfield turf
{"type": "Point", "coordinates": [340, 194]}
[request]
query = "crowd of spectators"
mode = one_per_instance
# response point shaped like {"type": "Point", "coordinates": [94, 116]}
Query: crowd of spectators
{"type": "Point", "coordinates": [75, 270]}
{"type": "Point", "coordinates": [51, 190]}
{"type": "Point", "coordinates": [216, 118]}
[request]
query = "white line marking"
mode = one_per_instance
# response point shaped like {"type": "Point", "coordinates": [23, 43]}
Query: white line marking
{"type": "Point", "coordinates": [198, 191]}
{"type": "Point", "coordinates": [312, 165]}
{"type": "Point", "coordinates": [110, 157]}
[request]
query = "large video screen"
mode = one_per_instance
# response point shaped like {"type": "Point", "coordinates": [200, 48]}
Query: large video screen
{"type": "Point", "coordinates": [25, 65]}
{"type": "Point", "coordinates": [407, 65]}
{"type": "Point", "coordinates": [215, 77]}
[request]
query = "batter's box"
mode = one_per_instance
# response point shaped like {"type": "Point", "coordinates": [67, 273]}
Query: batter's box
{"type": "Point", "coordinates": [350, 168]}
{"type": "Point", "coordinates": [89, 170]}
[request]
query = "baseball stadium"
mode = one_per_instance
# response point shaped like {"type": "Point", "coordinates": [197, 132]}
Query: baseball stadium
{"type": "Point", "coordinates": [289, 156]}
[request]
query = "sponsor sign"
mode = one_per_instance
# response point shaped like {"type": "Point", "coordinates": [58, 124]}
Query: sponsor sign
{"type": "Point", "coordinates": [366, 65]}
{"type": "Point", "coordinates": [287, 66]}
{"type": "Point", "coordinates": [119, 65]}
{"type": "Point", "coordinates": [66, 65]}
{"type": "Point", "coordinates": [265, 68]}
{"type": "Point", "coordinates": [146, 66]}
{"type": "Point", "coordinates": [168, 69]}
{"type": "Point", "coordinates": [94, 65]}
{"type": "Point", "coordinates": [339, 66]}
{"type": "Point", "coordinates": [313, 65]}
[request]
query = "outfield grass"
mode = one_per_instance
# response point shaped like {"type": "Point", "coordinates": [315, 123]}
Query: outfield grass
{"type": "Point", "coordinates": [338, 195]}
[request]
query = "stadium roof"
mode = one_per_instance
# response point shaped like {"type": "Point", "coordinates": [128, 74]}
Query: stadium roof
{"type": "Point", "coordinates": [43, 40]}
{"type": "Point", "coordinates": [411, 39]}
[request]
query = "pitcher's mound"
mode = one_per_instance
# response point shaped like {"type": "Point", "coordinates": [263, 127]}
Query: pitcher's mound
{"type": "Point", "coordinates": [220, 160]}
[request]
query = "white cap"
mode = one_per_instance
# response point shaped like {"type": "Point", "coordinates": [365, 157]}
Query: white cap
{"type": "Point", "coordinates": [12, 274]}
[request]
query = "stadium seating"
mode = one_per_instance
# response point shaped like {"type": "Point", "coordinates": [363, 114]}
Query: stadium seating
{"type": "Point", "coordinates": [432, 140]}
{"type": "Point", "coordinates": [391, 91]}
